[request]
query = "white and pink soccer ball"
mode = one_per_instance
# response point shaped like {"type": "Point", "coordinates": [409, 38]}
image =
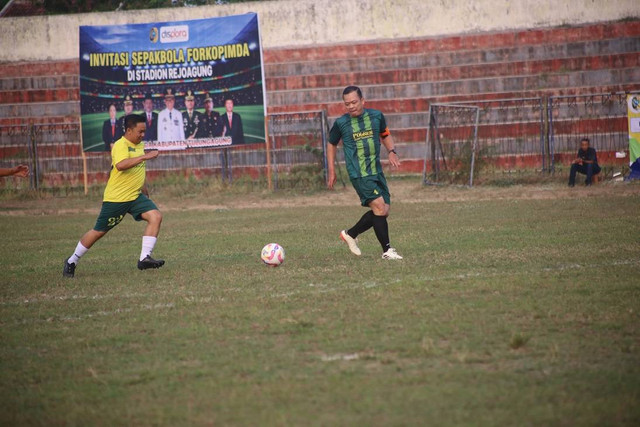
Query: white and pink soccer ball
{"type": "Point", "coordinates": [272, 254]}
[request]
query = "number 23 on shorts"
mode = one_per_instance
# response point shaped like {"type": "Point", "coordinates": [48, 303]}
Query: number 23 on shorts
{"type": "Point", "coordinates": [113, 221]}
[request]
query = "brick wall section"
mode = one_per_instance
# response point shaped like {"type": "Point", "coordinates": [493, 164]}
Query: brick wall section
{"type": "Point", "coordinates": [463, 42]}
{"type": "Point", "coordinates": [558, 61]}
{"type": "Point", "coordinates": [400, 77]}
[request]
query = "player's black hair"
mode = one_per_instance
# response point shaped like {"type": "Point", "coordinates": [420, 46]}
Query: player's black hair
{"type": "Point", "coordinates": [132, 120]}
{"type": "Point", "coordinates": [112, 105]}
{"type": "Point", "coordinates": [228, 98]}
{"type": "Point", "coordinates": [148, 96]}
{"type": "Point", "coordinates": [585, 139]}
{"type": "Point", "coordinates": [349, 89]}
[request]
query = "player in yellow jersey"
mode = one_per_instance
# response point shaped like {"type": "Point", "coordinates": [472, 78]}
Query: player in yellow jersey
{"type": "Point", "coordinates": [126, 193]}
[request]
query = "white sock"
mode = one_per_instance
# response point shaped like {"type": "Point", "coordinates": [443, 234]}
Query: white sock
{"type": "Point", "coordinates": [148, 242]}
{"type": "Point", "coordinates": [77, 254]}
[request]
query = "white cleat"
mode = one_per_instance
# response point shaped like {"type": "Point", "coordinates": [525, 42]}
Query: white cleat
{"type": "Point", "coordinates": [351, 242]}
{"type": "Point", "coordinates": [391, 254]}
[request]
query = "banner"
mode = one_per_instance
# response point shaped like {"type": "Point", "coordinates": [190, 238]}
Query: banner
{"type": "Point", "coordinates": [633, 112]}
{"type": "Point", "coordinates": [198, 83]}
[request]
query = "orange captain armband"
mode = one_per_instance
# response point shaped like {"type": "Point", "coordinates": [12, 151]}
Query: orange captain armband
{"type": "Point", "coordinates": [385, 134]}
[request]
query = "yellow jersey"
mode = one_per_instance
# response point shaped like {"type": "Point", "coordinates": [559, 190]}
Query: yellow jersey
{"type": "Point", "coordinates": [126, 185]}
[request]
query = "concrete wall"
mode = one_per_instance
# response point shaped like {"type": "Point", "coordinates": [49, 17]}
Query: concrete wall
{"type": "Point", "coordinates": [307, 22]}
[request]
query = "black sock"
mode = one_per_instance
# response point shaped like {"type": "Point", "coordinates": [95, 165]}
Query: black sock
{"type": "Point", "coordinates": [365, 223]}
{"type": "Point", "coordinates": [381, 227]}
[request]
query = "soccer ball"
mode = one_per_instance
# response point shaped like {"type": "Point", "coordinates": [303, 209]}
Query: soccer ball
{"type": "Point", "coordinates": [272, 254]}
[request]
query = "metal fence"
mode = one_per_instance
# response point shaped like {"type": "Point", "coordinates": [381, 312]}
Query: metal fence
{"type": "Point", "coordinates": [522, 135]}
{"type": "Point", "coordinates": [298, 149]}
{"type": "Point", "coordinates": [54, 155]}
{"type": "Point", "coordinates": [452, 141]}
{"type": "Point", "coordinates": [51, 150]}
{"type": "Point", "coordinates": [538, 135]}
{"type": "Point", "coordinates": [600, 117]}
{"type": "Point", "coordinates": [464, 138]}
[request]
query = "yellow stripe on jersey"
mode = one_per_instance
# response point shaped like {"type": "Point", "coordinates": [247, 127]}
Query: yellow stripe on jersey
{"type": "Point", "coordinates": [126, 185]}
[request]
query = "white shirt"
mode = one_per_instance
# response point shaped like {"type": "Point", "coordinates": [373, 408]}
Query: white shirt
{"type": "Point", "coordinates": [170, 128]}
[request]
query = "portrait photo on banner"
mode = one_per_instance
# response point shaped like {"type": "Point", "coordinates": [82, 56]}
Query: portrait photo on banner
{"type": "Point", "coordinates": [198, 83]}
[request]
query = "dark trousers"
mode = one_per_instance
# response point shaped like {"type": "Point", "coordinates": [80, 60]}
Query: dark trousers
{"type": "Point", "coordinates": [588, 169]}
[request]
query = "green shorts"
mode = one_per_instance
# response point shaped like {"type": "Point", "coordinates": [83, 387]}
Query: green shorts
{"type": "Point", "coordinates": [113, 212]}
{"type": "Point", "coordinates": [371, 187]}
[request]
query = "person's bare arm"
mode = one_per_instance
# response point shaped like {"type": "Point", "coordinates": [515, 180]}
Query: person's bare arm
{"type": "Point", "coordinates": [389, 144]}
{"type": "Point", "coordinates": [21, 171]}
{"type": "Point", "coordinates": [331, 161]}
{"type": "Point", "coordinates": [135, 161]}
{"type": "Point", "coordinates": [6, 171]}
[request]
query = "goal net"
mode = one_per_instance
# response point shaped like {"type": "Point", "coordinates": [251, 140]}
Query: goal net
{"type": "Point", "coordinates": [451, 144]}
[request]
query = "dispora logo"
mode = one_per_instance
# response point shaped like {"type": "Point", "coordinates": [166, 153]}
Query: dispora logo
{"type": "Point", "coordinates": [634, 104]}
{"type": "Point", "coordinates": [174, 34]}
{"type": "Point", "coordinates": [153, 35]}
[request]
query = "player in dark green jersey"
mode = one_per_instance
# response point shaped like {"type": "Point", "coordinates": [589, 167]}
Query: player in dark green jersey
{"type": "Point", "coordinates": [363, 131]}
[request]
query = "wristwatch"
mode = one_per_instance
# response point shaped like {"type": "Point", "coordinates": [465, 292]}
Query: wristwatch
{"type": "Point", "coordinates": [393, 151]}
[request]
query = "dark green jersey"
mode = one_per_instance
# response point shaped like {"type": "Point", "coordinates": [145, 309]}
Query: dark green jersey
{"type": "Point", "coordinates": [361, 139]}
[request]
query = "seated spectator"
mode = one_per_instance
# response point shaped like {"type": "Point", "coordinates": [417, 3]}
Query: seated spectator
{"type": "Point", "coordinates": [586, 163]}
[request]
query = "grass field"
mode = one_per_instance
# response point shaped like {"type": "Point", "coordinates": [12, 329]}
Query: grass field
{"type": "Point", "coordinates": [513, 306]}
{"type": "Point", "coordinates": [252, 124]}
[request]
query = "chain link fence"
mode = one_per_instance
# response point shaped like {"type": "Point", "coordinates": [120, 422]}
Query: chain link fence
{"type": "Point", "coordinates": [600, 117]}
{"type": "Point", "coordinates": [530, 136]}
{"type": "Point", "coordinates": [17, 149]}
{"type": "Point", "coordinates": [298, 144]}
{"type": "Point", "coordinates": [484, 137]}
{"type": "Point", "coordinates": [466, 142]}
{"type": "Point", "coordinates": [51, 150]}
{"type": "Point", "coordinates": [452, 141]}
{"type": "Point", "coordinates": [54, 155]}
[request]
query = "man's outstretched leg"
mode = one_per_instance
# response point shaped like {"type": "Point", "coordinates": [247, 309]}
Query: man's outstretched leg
{"type": "Point", "coordinates": [149, 239]}
{"type": "Point", "coordinates": [89, 238]}
{"type": "Point", "coordinates": [351, 236]}
{"type": "Point", "coordinates": [380, 211]}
